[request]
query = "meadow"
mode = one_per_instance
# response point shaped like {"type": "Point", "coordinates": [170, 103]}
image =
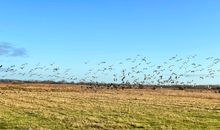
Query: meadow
{"type": "Point", "coordinates": [62, 106]}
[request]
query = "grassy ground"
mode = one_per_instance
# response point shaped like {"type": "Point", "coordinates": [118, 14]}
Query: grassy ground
{"type": "Point", "coordinates": [40, 106]}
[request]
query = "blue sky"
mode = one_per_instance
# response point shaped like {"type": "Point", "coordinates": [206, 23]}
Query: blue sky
{"type": "Point", "coordinates": [69, 32]}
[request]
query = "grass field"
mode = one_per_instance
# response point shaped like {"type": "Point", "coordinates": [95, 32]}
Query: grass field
{"type": "Point", "coordinates": [44, 106]}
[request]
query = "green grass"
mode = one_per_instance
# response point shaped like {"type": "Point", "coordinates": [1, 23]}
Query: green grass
{"type": "Point", "coordinates": [108, 109]}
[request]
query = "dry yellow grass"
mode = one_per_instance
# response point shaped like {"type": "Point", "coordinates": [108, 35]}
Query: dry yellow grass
{"type": "Point", "coordinates": [46, 106]}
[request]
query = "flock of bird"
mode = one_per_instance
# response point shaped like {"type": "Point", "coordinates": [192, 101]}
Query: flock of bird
{"type": "Point", "coordinates": [174, 71]}
{"type": "Point", "coordinates": [138, 70]}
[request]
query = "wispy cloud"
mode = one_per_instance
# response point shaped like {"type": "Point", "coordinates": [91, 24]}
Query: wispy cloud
{"type": "Point", "coordinates": [8, 49]}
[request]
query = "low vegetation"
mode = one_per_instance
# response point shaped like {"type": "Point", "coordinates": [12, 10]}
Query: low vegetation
{"type": "Point", "coordinates": [56, 106]}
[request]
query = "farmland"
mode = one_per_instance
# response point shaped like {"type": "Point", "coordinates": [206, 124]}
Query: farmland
{"type": "Point", "coordinates": [62, 106]}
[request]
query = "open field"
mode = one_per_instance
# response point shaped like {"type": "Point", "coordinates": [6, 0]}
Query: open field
{"type": "Point", "coordinates": [47, 106]}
